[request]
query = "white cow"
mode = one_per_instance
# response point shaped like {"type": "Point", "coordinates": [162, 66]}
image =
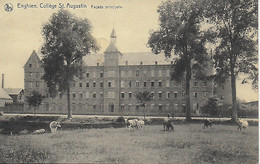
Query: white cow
{"type": "Point", "coordinates": [54, 125]}
{"type": "Point", "coordinates": [140, 124]}
{"type": "Point", "coordinates": [131, 123]}
{"type": "Point", "coordinates": [242, 124]}
{"type": "Point", "coordinates": [39, 131]}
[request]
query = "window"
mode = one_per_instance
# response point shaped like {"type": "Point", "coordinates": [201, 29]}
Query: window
{"type": "Point", "coordinates": [176, 106]}
{"type": "Point", "coordinates": [160, 84]}
{"type": "Point", "coordinates": [109, 84]}
{"type": "Point", "coordinates": [160, 106]}
{"type": "Point", "coordinates": [167, 83]}
{"type": "Point", "coordinates": [122, 95]}
{"type": "Point", "coordinates": [152, 93]}
{"type": "Point", "coordinates": [73, 95]}
{"type": "Point", "coordinates": [60, 95]}
{"type": "Point", "coordinates": [137, 83]}
{"type": "Point", "coordinates": [101, 74]}
{"type": "Point", "coordinates": [80, 95]}
{"type": "Point", "coordinates": [94, 106]}
{"type": "Point", "coordinates": [129, 84]}
{"type": "Point", "coordinates": [195, 94]}
{"type": "Point", "coordinates": [137, 73]}
{"type": "Point", "coordinates": [160, 95]}
{"type": "Point", "coordinates": [168, 95]}
{"type": "Point", "coordinates": [87, 95]}
{"type": "Point", "coordinates": [101, 84]}
{"type": "Point", "coordinates": [87, 74]}
{"type": "Point", "coordinates": [145, 73]}
{"type": "Point", "coordinates": [94, 95]}
{"type": "Point", "coordinates": [152, 106]}
{"type": "Point", "coordinates": [167, 73]}
{"type": "Point", "coordinates": [129, 95]}
{"type": "Point", "coordinates": [122, 106]}
{"type": "Point", "coordinates": [122, 84]}
{"type": "Point", "coordinates": [152, 84]}
{"type": "Point", "coordinates": [101, 95]}
{"type": "Point", "coordinates": [175, 94]}
{"type": "Point", "coordinates": [183, 94]}
{"type": "Point", "coordinates": [94, 84]}
{"type": "Point", "coordinates": [195, 83]}
{"type": "Point", "coordinates": [30, 65]}
{"type": "Point", "coordinates": [129, 106]}
{"type": "Point", "coordinates": [130, 74]}
{"type": "Point", "coordinates": [205, 93]}
{"type": "Point", "coordinates": [152, 73]}
{"type": "Point", "coordinates": [87, 84]}
{"type": "Point", "coordinates": [160, 73]}
{"type": "Point", "coordinates": [137, 107]}
{"type": "Point", "coordinates": [144, 83]}
{"type": "Point", "coordinates": [80, 84]}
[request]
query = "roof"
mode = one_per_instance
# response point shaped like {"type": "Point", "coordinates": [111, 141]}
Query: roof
{"type": "Point", "coordinates": [148, 58]}
{"type": "Point", "coordinates": [113, 34]}
{"type": "Point", "coordinates": [111, 48]}
{"type": "Point", "coordinates": [33, 56]}
{"type": "Point", "coordinates": [4, 95]}
{"type": "Point", "coordinates": [13, 91]}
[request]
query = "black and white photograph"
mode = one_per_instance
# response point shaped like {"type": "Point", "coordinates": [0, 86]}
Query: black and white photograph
{"type": "Point", "coordinates": [129, 81]}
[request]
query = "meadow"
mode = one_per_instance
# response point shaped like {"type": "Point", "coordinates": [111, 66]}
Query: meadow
{"type": "Point", "coordinates": [188, 143]}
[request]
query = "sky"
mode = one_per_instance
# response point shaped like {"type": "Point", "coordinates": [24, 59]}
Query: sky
{"type": "Point", "coordinates": [20, 31]}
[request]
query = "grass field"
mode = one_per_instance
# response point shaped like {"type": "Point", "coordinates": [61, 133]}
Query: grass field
{"type": "Point", "coordinates": [189, 143]}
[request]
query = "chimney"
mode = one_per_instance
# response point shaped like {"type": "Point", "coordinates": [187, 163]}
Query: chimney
{"type": "Point", "coordinates": [126, 63]}
{"type": "Point", "coordinates": [3, 81]}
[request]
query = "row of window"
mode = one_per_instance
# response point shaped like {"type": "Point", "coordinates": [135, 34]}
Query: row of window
{"type": "Point", "coordinates": [137, 84]}
{"type": "Point", "coordinates": [129, 95]}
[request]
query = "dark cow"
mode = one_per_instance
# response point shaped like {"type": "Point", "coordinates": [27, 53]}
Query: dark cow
{"type": "Point", "coordinates": [207, 123]}
{"type": "Point", "coordinates": [167, 124]}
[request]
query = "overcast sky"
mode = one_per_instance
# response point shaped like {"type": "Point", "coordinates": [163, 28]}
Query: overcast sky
{"type": "Point", "coordinates": [20, 32]}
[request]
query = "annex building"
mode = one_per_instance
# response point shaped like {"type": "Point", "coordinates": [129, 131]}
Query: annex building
{"type": "Point", "coordinates": [110, 81]}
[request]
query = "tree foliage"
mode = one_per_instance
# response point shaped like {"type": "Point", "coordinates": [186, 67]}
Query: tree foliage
{"type": "Point", "coordinates": [180, 34]}
{"type": "Point", "coordinates": [34, 99]}
{"type": "Point", "coordinates": [143, 97]}
{"type": "Point", "coordinates": [235, 31]}
{"type": "Point", "coordinates": [67, 39]}
{"type": "Point", "coordinates": [211, 107]}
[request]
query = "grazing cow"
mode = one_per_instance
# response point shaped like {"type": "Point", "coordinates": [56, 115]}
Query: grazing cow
{"type": "Point", "coordinates": [207, 123]}
{"type": "Point", "coordinates": [140, 124]}
{"type": "Point", "coordinates": [242, 124]}
{"type": "Point", "coordinates": [167, 124]}
{"type": "Point", "coordinates": [39, 131]}
{"type": "Point", "coordinates": [131, 123]}
{"type": "Point", "coordinates": [54, 125]}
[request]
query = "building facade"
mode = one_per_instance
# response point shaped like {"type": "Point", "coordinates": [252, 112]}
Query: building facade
{"type": "Point", "coordinates": [109, 87]}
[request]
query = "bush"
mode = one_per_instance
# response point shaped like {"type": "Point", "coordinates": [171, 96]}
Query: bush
{"type": "Point", "coordinates": [120, 119]}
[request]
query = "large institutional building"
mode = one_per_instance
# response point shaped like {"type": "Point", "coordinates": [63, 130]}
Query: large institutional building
{"type": "Point", "coordinates": [108, 86]}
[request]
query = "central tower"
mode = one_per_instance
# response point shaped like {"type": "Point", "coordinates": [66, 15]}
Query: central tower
{"type": "Point", "coordinates": [111, 77]}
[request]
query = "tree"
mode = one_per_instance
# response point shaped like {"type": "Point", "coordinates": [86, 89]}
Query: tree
{"type": "Point", "coordinates": [235, 30]}
{"type": "Point", "coordinates": [34, 99]}
{"type": "Point", "coordinates": [143, 98]}
{"type": "Point", "coordinates": [211, 107]}
{"type": "Point", "coordinates": [67, 39]}
{"type": "Point", "coordinates": [179, 33]}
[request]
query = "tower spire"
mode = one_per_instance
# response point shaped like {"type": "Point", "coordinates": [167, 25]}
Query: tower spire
{"type": "Point", "coordinates": [113, 36]}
